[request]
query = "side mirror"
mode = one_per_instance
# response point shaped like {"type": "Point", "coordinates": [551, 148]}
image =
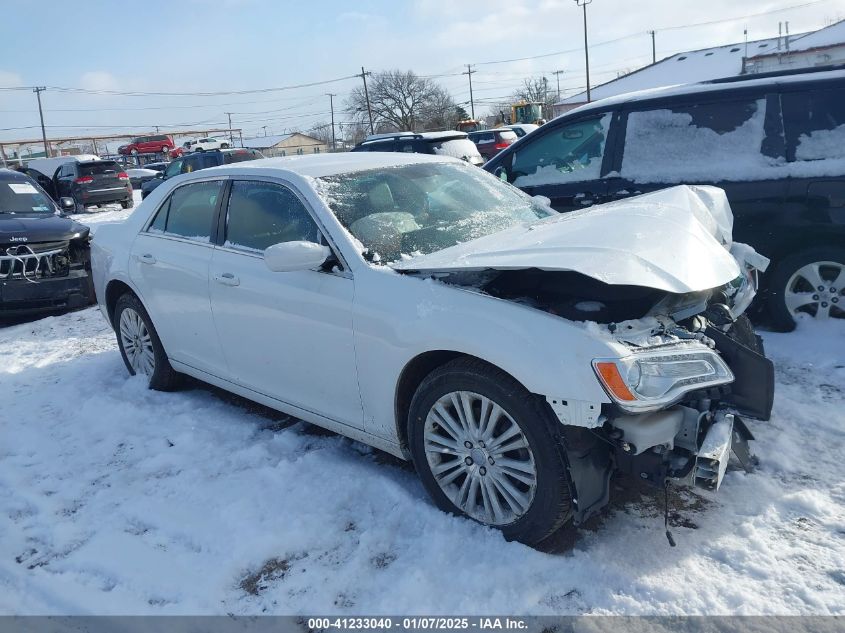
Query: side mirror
{"type": "Point", "coordinates": [160, 175]}
{"type": "Point", "coordinates": [291, 256]}
{"type": "Point", "coordinates": [501, 173]}
{"type": "Point", "coordinates": [67, 204]}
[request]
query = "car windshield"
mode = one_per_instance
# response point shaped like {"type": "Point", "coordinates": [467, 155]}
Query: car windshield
{"type": "Point", "coordinates": [408, 210]}
{"type": "Point", "coordinates": [20, 196]}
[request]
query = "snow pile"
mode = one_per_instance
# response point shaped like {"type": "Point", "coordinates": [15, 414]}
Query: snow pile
{"type": "Point", "coordinates": [116, 499]}
{"type": "Point", "coordinates": [822, 144]}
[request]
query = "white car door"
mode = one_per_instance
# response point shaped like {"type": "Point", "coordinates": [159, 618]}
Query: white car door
{"type": "Point", "coordinates": [287, 335]}
{"type": "Point", "coordinates": [169, 264]}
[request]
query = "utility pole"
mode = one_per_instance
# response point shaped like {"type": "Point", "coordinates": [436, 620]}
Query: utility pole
{"type": "Point", "coordinates": [231, 135]}
{"type": "Point", "coordinates": [469, 73]}
{"type": "Point", "coordinates": [653, 49]}
{"type": "Point", "coordinates": [363, 76]}
{"type": "Point", "coordinates": [157, 128]}
{"type": "Point", "coordinates": [558, 73]}
{"type": "Point", "coordinates": [264, 127]}
{"type": "Point", "coordinates": [584, 3]}
{"type": "Point", "coordinates": [38, 90]}
{"type": "Point", "coordinates": [331, 105]}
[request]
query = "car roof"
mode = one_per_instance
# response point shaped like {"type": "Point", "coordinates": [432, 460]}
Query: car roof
{"type": "Point", "coordinates": [428, 136]}
{"type": "Point", "coordinates": [713, 85]}
{"type": "Point", "coordinates": [320, 165]}
{"type": "Point", "coordinates": [11, 174]}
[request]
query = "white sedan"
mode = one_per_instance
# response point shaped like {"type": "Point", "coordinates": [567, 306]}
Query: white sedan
{"type": "Point", "coordinates": [422, 306]}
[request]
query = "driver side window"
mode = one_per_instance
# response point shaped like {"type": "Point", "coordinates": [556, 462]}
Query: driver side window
{"type": "Point", "coordinates": [261, 214]}
{"type": "Point", "coordinates": [570, 153]}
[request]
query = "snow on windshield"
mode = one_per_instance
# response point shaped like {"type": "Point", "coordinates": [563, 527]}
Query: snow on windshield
{"type": "Point", "coordinates": [403, 211]}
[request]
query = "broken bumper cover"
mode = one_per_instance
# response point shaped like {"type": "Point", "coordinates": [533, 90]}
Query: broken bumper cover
{"type": "Point", "coordinates": [683, 444]}
{"type": "Point", "coordinates": [22, 296]}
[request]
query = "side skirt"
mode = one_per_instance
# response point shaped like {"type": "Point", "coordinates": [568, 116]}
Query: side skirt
{"type": "Point", "coordinates": [351, 432]}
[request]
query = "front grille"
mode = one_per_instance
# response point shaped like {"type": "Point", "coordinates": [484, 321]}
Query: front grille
{"type": "Point", "coordinates": [34, 261]}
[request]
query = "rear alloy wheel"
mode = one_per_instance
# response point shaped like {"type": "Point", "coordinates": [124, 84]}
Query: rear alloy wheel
{"type": "Point", "coordinates": [140, 346]}
{"type": "Point", "coordinates": [486, 448]}
{"type": "Point", "coordinates": [812, 283]}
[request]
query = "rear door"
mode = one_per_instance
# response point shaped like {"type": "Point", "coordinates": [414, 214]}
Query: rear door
{"type": "Point", "coordinates": [565, 162]}
{"type": "Point", "coordinates": [814, 120]}
{"type": "Point", "coordinates": [169, 263]}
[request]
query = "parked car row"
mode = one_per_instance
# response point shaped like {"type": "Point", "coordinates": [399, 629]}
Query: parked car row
{"type": "Point", "coordinates": [84, 180]}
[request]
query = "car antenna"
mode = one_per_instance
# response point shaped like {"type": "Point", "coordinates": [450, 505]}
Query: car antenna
{"type": "Point", "coordinates": [669, 536]}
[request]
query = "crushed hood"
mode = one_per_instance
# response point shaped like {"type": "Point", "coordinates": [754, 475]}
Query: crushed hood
{"type": "Point", "coordinates": [675, 240]}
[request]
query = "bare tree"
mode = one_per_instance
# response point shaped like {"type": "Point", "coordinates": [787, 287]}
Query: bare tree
{"type": "Point", "coordinates": [321, 131]}
{"type": "Point", "coordinates": [401, 101]}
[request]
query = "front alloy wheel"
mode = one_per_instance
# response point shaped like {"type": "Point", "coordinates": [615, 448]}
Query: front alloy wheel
{"type": "Point", "coordinates": [480, 458]}
{"type": "Point", "coordinates": [486, 448]}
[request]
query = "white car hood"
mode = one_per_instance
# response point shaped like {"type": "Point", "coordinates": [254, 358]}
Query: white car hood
{"type": "Point", "coordinates": [675, 240]}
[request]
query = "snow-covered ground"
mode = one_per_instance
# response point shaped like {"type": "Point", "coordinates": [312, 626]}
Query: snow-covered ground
{"type": "Point", "coordinates": [115, 499]}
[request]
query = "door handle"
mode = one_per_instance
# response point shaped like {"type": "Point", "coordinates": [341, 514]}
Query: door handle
{"type": "Point", "coordinates": [147, 258]}
{"type": "Point", "coordinates": [227, 279]}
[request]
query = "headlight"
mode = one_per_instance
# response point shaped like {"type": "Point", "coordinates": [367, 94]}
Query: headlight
{"type": "Point", "coordinates": [650, 380]}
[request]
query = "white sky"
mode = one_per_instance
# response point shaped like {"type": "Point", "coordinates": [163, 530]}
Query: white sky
{"type": "Point", "coordinates": [230, 45]}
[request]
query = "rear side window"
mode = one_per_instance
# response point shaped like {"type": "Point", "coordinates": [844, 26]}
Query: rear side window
{"type": "Point", "coordinates": [198, 161]}
{"type": "Point", "coordinates": [97, 169]}
{"type": "Point", "coordinates": [240, 155]}
{"type": "Point", "coordinates": [189, 211]}
{"type": "Point", "coordinates": [814, 124]}
{"type": "Point", "coordinates": [569, 153]}
{"type": "Point", "coordinates": [707, 142]}
{"type": "Point", "coordinates": [261, 214]}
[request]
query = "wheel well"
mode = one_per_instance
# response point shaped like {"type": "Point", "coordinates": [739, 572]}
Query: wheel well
{"type": "Point", "coordinates": [114, 290]}
{"type": "Point", "coordinates": [412, 376]}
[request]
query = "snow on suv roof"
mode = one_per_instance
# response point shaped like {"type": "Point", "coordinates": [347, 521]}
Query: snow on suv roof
{"type": "Point", "coordinates": [319, 165]}
{"type": "Point", "coordinates": [708, 86]}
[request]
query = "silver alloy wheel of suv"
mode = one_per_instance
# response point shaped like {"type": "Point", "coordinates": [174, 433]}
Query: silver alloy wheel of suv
{"type": "Point", "coordinates": [817, 289]}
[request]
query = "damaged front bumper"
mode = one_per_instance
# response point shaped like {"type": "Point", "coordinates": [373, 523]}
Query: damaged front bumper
{"type": "Point", "coordinates": [688, 441]}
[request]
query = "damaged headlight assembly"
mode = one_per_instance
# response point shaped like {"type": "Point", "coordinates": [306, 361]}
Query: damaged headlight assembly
{"type": "Point", "coordinates": [650, 380]}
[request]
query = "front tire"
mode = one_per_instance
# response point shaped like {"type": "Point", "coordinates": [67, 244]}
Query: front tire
{"type": "Point", "coordinates": [486, 448]}
{"type": "Point", "coordinates": [811, 282]}
{"type": "Point", "coordinates": [140, 346]}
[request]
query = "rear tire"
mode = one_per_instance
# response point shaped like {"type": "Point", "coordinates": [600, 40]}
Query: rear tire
{"type": "Point", "coordinates": [127, 204]}
{"type": "Point", "coordinates": [140, 345]}
{"type": "Point", "coordinates": [795, 282]}
{"type": "Point", "coordinates": [224, 146]}
{"type": "Point", "coordinates": [523, 491]}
